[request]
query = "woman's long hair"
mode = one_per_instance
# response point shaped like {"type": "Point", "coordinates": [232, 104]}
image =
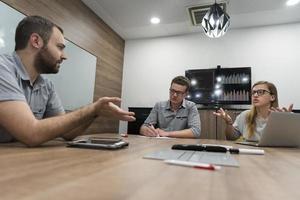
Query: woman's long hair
{"type": "Point", "coordinates": [250, 119]}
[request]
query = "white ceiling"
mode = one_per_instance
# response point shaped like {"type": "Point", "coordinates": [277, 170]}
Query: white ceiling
{"type": "Point", "coordinates": [131, 18]}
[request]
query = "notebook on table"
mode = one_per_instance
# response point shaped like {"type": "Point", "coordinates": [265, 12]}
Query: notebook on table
{"type": "Point", "coordinates": [282, 130]}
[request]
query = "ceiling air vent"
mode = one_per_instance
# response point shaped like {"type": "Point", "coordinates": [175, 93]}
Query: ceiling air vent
{"type": "Point", "coordinates": [197, 13]}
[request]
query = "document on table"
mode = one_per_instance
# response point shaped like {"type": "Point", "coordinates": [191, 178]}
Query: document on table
{"type": "Point", "coordinates": [224, 159]}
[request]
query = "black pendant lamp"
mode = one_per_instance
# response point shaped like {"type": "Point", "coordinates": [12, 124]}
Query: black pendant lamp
{"type": "Point", "coordinates": [215, 22]}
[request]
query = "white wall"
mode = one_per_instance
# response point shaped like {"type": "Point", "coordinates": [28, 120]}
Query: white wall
{"type": "Point", "coordinates": [272, 52]}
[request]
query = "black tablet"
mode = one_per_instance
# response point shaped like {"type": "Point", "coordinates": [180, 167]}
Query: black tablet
{"type": "Point", "coordinates": [98, 143]}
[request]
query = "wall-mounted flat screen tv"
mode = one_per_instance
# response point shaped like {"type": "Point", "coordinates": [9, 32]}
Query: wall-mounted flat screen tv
{"type": "Point", "coordinates": [220, 85]}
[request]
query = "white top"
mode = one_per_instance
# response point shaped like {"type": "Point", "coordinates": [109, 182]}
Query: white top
{"type": "Point", "coordinates": [241, 125]}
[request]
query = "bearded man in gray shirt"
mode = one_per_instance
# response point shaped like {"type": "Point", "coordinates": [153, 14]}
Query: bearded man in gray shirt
{"type": "Point", "coordinates": [176, 117]}
{"type": "Point", "coordinates": [30, 110]}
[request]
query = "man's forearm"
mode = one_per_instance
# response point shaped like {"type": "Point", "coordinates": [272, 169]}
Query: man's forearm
{"type": "Point", "coordinates": [57, 126]}
{"type": "Point", "coordinates": [186, 133]}
{"type": "Point", "coordinates": [143, 130]}
{"type": "Point", "coordinates": [17, 118]}
{"type": "Point", "coordinates": [78, 130]}
{"type": "Point", "coordinates": [31, 131]}
{"type": "Point", "coordinates": [149, 130]}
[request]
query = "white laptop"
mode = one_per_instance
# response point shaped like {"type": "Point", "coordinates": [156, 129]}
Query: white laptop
{"type": "Point", "coordinates": [282, 130]}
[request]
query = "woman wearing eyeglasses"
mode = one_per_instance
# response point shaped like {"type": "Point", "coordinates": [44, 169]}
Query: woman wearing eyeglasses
{"type": "Point", "coordinates": [250, 123]}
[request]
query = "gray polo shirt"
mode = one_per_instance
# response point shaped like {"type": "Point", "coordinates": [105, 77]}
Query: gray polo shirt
{"type": "Point", "coordinates": [187, 116]}
{"type": "Point", "coordinates": [15, 86]}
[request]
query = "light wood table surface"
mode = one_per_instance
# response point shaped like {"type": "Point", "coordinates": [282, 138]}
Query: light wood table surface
{"type": "Point", "coordinates": [53, 172]}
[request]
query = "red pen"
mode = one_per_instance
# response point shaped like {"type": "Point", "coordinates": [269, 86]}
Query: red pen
{"type": "Point", "coordinates": [193, 164]}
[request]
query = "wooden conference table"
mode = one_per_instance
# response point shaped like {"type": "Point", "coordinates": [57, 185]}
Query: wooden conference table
{"type": "Point", "coordinates": [56, 172]}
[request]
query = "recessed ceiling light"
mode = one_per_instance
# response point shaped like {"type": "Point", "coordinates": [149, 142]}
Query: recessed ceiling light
{"type": "Point", "coordinates": [155, 20]}
{"type": "Point", "coordinates": [292, 2]}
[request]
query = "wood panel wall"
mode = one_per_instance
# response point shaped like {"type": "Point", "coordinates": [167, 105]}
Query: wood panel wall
{"type": "Point", "coordinates": [87, 30]}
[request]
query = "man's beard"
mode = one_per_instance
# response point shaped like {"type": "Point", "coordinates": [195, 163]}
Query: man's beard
{"type": "Point", "coordinates": [45, 63]}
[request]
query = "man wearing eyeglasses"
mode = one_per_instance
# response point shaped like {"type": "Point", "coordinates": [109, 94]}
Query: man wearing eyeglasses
{"type": "Point", "coordinates": [176, 117]}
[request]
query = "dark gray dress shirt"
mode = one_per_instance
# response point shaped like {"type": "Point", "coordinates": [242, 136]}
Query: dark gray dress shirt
{"type": "Point", "coordinates": [187, 116]}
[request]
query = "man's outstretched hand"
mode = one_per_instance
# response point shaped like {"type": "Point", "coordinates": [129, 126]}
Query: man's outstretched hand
{"type": "Point", "coordinates": [107, 106]}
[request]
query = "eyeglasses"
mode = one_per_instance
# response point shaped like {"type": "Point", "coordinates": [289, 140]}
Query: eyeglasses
{"type": "Point", "coordinates": [179, 93]}
{"type": "Point", "coordinates": [260, 92]}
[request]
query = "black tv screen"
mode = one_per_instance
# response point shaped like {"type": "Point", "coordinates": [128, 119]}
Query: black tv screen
{"type": "Point", "coordinates": [202, 85]}
{"type": "Point", "coordinates": [220, 86]}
